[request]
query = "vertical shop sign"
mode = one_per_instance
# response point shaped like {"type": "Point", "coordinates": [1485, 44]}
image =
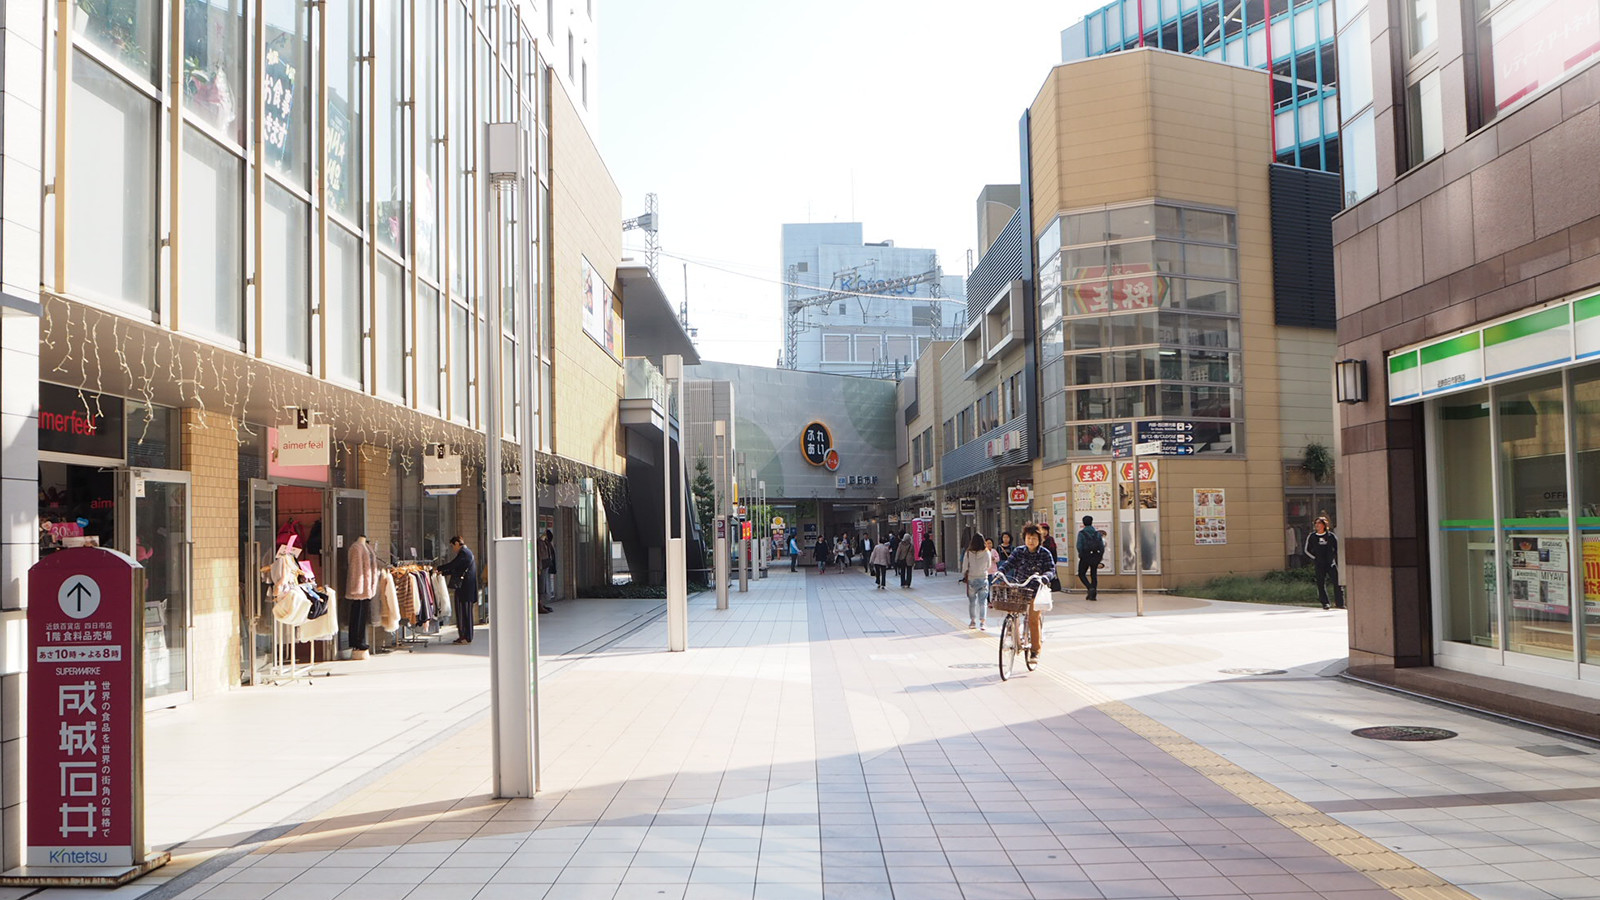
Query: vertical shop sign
{"type": "Point", "coordinates": [278, 99]}
{"type": "Point", "coordinates": [919, 527]}
{"type": "Point", "coordinates": [1149, 517]}
{"type": "Point", "coordinates": [1210, 516]}
{"type": "Point", "coordinates": [85, 709]}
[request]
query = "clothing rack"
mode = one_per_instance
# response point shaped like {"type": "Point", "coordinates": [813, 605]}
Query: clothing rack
{"type": "Point", "coordinates": [408, 636]}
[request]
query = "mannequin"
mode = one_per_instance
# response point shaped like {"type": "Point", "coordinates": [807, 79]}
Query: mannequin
{"type": "Point", "coordinates": [360, 586]}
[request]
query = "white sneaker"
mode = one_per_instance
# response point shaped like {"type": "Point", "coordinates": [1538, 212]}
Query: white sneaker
{"type": "Point", "coordinates": [982, 627]}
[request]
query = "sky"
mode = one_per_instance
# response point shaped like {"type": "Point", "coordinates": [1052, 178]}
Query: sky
{"type": "Point", "coordinates": [742, 115]}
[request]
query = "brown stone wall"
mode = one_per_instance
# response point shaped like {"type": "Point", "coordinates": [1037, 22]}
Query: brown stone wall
{"type": "Point", "coordinates": [211, 457]}
{"type": "Point", "coordinates": [1506, 219]}
{"type": "Point", "coordinates": [373, 475]}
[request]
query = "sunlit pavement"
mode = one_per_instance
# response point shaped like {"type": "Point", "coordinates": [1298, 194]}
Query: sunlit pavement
{"type": "Point", "coordinates": [825, 739]}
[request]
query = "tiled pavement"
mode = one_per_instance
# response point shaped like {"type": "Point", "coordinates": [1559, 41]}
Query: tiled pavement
{"type": "Point", "coordinates": [825, 740]}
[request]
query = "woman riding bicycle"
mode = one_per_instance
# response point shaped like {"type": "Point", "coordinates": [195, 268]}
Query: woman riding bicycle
{"type": "Point", "coordinates": [1031, 559]}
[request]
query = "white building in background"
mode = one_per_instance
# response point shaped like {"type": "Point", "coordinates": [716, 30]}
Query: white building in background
{"type": "Point", "coordinates": [853, 308]}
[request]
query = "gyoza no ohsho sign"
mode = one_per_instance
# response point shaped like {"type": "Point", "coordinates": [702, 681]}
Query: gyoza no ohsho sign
{"type": "Point", "coordinates": [85, 699]}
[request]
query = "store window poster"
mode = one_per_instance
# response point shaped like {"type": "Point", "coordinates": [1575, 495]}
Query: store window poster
{"type": "Point", "coordinates": [1539, 574]}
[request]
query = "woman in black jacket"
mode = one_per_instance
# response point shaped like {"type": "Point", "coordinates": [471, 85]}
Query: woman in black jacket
{"type": "Point", "coordinates": [927, 551]}
{"type": "Point", "coordinates": [1323, 548]}
{"type": "Point", "coordinates": [1028, 560]}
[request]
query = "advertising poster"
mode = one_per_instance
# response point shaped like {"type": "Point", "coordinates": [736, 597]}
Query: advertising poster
{"type": "Point", "coordinates": [1591, 574]}
{"type": "Point", "coordinates": [600, 319]}
{"type": "Point", "coordinates": [1061, 523]}
{"type": "Point", "coordinates": [919, 527]}
{"type": "Point", "coordinates": [1210, 517]}
{"type": "Point", "coordinates": [1091, 490]}
{"type": "Point", "coordinates": [1149, 548]}
{"type": "Point", "coordinates": [1540, 574]}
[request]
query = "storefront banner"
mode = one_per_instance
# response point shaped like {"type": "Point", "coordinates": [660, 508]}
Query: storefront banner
{"type": "Point", "coordinates": [1210, 517]}
{"type": "Point", "coordinates": [309, 446]}
{"type": "Point", "coordinates": [1540, 574]}
{"type": "Point", "coordinates": [1536, 341]}
{"type": "Point", "coordinates": [80, 422]}
{"type": "Point", "coordinates": [1586, 327]}
{"type": "Point", "coordinates": [85, 703]}
{"type": "Point", "coordinates": [1452, 364]}
{"type": "Point", "coordinates": [1405, 377]}
{"type": "Point", "coordinates": [918, 529]}
{"type": "Point", "coordinates": [441, 469]}
{"type": "Point", "coordinates": [1149, 518]}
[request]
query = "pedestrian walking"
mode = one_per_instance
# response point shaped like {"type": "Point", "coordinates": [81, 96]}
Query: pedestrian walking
{"type": "Point", "coordinates": [927, 551]}
{"type": "Point", "coordinates": [864, 545]}
{"type": "Point", "coordinates": [880, 562]}
{"type": "Point", "coordinates": [547, 569]}
{"type": "Point", "coordinates": [994, 555]}
{"type": "Point", "coordinates": [902, 559]}
{"type": "Point", "coordinates": [1006, 546]}
{"type": "Point", "coordinates": [461, 575]}
{"type": "Point", "coordinates": [1322, 545]}
{"type": "Point", "coordinates": [975, 575]}
{"type": "Point", "coordinates": [841, 550]}
{"type": "Point", "coordinates": [794, 555]}
{"type": "Point", "coordinates": [822, 552]}
{"type": "Point", "coordinates": [1091, 548]}
{"type": "Point", "coordinates": [1049, 543]}
{"type": "Point", "coordinates": [1026, 561]}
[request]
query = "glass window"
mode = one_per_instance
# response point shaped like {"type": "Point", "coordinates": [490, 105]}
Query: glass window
{"type": "Point", "coordinates": [427, 344]}
{"type": "Point", "coordinates": [286, 88]}
{"type": "Point", "coordinates": [1586, 449]}
{"type": "Point", "coordinates": [285, 282]}
{"type": "Point", "coordinates": [1050, 240]}
{"type": "Point", "coordinates": [111, 195]}
{"type": "Point", "coordinates": [1130, 330]}
{"type": "Point", "coordinates": [1425, 119]}
{"type": "Point", "coordinates": [1055, 375]}
{"type": "Point", "coordinates": [388, 341]}
{"type": "Point", "coordinates": [1355, 66]}
{"type": "Point", "coordinates": [211, 251]}
{"type": "Point", "coordinates": [1533, 488]}
{"type": "Point", "coordinates": [1131, 259]}
{"type": "Point", "coordinates": [461, 138]}
{"type": "Point", "coordinates": [1055, 445]}
{"type": "Point", "coordinates": [1083, 334]}
{"type": "Point", "coordinates": [1359, 141]}
{"type": "Point", "coordinates": [128, 30]}
{"type": "Point", "coordinates": [1209, 296]}
{"type": "Point", "coordinates": [1087, 368]}
{"type": "Point", "coordinates": [1130, 222]}
{"type": "Point", "coordinates": [213, 72]}
{"type": "Point", "coordinates": [1083, 228]}
{"type": "Point", "coordinates": [836, 348]}
{"type": "Point", "coordinates": [344, 306]}
{"type": "Point", "coordinates": [1424, 24]}
{"type": "Point", "coordinates": [1091, 440]}
{"type": "Point", "coordinates": [390, 151]}
{"type": "Point", "coordinates": [1050, 343]}
{"type": "Point", "coordinates": [898, 347]}
{"type": "Point", "coordinates": [1525, 46]}
{"type": "Point", "coordinates": [430, 35]}
{"type": "Point", "coordinates": [1050, 309]}
{"type": "Point", "coordinates": [459, 371]}
{"type": "Point", "coordinates": [344, 132]}
{"type": "Point", "coordinates": [1209, 262]}
{"type": "Point", "coordinates": [1207, 226]}
{"type": "Point", "coordinates": [1088, 262]}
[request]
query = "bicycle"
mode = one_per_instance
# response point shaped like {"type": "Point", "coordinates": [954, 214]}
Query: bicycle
{"type": "Point", "coordinates": [1016, 601]}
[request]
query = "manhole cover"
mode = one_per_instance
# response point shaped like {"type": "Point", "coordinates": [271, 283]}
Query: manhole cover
{"type": "Point", "coordinates": [1253, 671]}
{"type": "Point", "coordinates": [972, 666]}
{"type": "Point", "coordinates": [1403, 733]}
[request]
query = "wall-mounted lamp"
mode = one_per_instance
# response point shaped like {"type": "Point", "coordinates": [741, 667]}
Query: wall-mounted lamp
{"type": "Point", "coordinates": [1350, 380]}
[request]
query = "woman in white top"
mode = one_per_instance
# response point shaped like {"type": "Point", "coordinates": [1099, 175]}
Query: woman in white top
{"type": "Point", "coordinates": [976, 564]}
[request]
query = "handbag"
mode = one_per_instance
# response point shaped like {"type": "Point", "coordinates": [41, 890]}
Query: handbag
{"type": "Point", "coordinates": [291, 607]}
{"type": "Point", "coordinates": [1043, 599]}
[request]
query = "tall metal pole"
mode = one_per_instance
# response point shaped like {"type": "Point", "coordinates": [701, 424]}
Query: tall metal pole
{"type": "Point", "coordinates": [720, 546]}
{"type": "Point", "coordinates": [1138, 541]}
{"type": "Point", "coordinates": [677, 587]}
{"type": "Point", "coordinates": [511, 649]}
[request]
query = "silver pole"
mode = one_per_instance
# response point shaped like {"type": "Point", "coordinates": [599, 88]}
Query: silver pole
{"type": "Point", "coordinates": [677, 587]}
{"type": "Point", "coordinates": [720, 545]}
{"type": "Point", "coordinates": [511, 656]}
{"type": "Point", "coordinates": [1138, 540]}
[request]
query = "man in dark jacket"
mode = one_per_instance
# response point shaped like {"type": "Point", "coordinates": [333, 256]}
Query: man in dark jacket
{"type": "Point", "coordinates": [1323, 548]}
{"type": "Point", "coordinates": [461, 573]}
{"type": "Point", "coordinates": [1091, 550]}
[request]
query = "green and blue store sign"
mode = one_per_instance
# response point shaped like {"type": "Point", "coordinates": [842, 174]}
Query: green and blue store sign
{"type": "Point", "coordinates": [1558, 335]}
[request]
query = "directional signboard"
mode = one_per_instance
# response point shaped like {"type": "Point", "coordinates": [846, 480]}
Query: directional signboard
{"type": "Point", "coordinates": [1159, 438]}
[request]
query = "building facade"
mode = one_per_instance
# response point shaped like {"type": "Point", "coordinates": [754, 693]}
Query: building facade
{"type": "Point", "coordinates": [1297, 46]}
{"type": "Point", "coordinates": [861, 309]}
{"type": "Point", "coordinates": [1467, 283]}
{"type": "Point", "coordinates": [1167, 311]}
{"type": "Point", "coordinates": [258, 221]}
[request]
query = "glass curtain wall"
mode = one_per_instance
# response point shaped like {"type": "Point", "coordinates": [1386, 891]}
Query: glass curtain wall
{"type": "Point", "coordinates": [1519, 565]}
{"type": "Point", "coordinates": [324, 156]}
{"type": "Point", "coordinates": [1139, 319]}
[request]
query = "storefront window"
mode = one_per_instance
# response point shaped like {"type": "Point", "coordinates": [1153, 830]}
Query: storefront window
{"type": "Point", "coordinates": [343, 135]}
{"type": "Point", "coordinates": [1525, 46]}
{"type": "Point", "coordinates": [126, 29]}
{"type": "Point", "coordinates": [459, 370]}
{"type": "Point", "coordinates": [154, 437]}
{"type": "Point", "coordinates": [388, 344]}
{"type": "Point", "coordinates": [1466, 520]}
{"type": "Point", "coordinates": [111, 189]}
{"type": "Point", "coordinates": [212, 251]}
{"type": "Point", "coordinates": [285, 291]}
{"type": "Point", "coordinates": [427, 344]}
{"type": "Point", "coordinates": [389, 154]}
{"type": "Point", "coordinates": [1586, 449]}
{"type": "Point", "coordinates": [213, 76]}
{"type": "Point", "coordinates": [344, 305]}
{"type": "Point", "coordinates": [1533, 487]}
{"type": "Point", "coordinates": [286, 88]}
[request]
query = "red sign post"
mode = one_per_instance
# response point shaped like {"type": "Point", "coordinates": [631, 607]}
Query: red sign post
{"type": "Point", "coordinates": [85, 712]}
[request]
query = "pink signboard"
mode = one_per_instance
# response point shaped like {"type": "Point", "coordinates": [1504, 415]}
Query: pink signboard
{"type": "Point", "coordinates": [919, 527]}
{"type": "Point", "coordinates": [85, 699]}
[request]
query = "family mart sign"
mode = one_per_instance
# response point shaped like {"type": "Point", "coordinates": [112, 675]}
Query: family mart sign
{"type": "Point", "coordinates": [1560, 334]}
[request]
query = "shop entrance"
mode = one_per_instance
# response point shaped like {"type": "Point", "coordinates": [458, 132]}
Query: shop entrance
{"type": "Point", "coordinates": [156, 527]}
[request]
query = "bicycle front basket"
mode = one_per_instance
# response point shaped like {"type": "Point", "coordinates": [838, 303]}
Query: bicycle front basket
{"type": "Point", "coordinates": [1011, 598]}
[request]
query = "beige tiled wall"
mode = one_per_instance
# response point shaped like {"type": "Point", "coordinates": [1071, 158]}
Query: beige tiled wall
{"type": "Point", "coordinates": [211, 457]}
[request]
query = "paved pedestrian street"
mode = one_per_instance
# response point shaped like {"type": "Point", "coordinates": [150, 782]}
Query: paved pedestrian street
{"type": "Point", "coordinates": [822, 739]}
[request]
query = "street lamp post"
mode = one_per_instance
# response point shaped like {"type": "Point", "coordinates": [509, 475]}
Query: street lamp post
{"type": "Point", "coordinates": [677, 587]}
{"type": "Point", "coordinates": [720, 546]}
